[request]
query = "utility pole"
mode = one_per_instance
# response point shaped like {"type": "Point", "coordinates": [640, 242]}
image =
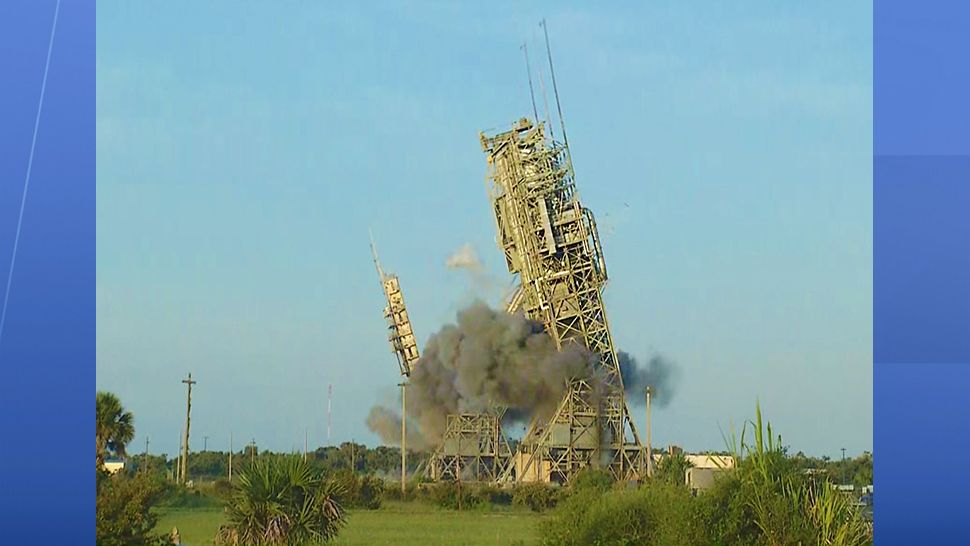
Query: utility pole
{"type": "Point", "coordinates": [458, 472]}
{"type": "Point", "coordinates": [230, 457]}
{"type": "Point", "coordinates": [178, 463]}
{"type": "Point", "coordinates": [185, 443]}
{"type": "Point", "coordinates": [649, 444]}
{"type": "Point", "coordinates": [843, 466]}
{"type": "Point", "coordinates": [146, 454]}
{"type": "Point", "coordinates": [252, 452]}
{"type": "Point", "coordinates": [404, 435]}
{"type": "Point", "coordinates": [304, 444]}
{"type": "Point", "coordinates": [205, 443]}
{"type": "Point", "coordinates": [353, 455]}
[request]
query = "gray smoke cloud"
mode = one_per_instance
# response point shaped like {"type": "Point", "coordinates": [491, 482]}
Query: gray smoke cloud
{"type": "Point", "coordinates": [658, 373]}
{"type": "Point", "coordinates": [386, 423]}
{"type": "Point", "coordinates": [487, 357]}
{"type": "Point", "coordinates": [465, 258]}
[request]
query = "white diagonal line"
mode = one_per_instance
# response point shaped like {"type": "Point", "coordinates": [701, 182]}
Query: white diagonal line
{"type": "Point", "coordinates": [30, 164]}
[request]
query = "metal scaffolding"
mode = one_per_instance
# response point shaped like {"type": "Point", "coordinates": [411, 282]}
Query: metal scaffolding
{"type": "Point", "coordinates": [473, 449]}
{"type": "Point", "coordinates": [550, 241]}
{"type": "Point", "coordinates": [399, 331]}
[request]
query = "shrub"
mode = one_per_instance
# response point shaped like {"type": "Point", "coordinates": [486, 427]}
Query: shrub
{"type": "Point", "coordinates": [282, 501]}
{"type": "Point", "coordinates": [536, 496]}
{"type": "Point", "coordinates": [833, 517]}
{"type": "Point", "coordinates": [370, 492]}
{"type": "Point", "coordinates": [445, 494]}
{"type": "Point", "coordinates": [786, 507]}
{"type": "Point", "coordinates": [725, 514]}
{"type": "Point", "coordinates": [473, 495]}
{"type": "Point", "coordinates": [672, 469]}
{"type": "Point", "coordinates": [360, 490]}
{"type": "Point", "coordinates": [180, 497]}
{"type": "Point", "coordinates": [487, 495]}
{"type": "Point", "coordinates": [765, 501]}
{"type": "Point", "coordinates": [221, 488]}
{"type": "Point", "coordinates": [592, 478]}
{"type": "Point", "coordinates": [124, 509]}
{"type": "Point", "coordinates": [392, 492]}
{"type": "Point", "coordinates": [659, 514]}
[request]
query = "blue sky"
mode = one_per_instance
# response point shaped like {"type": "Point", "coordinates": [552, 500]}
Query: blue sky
{"type": "Point", "coordinates": [244, 149]}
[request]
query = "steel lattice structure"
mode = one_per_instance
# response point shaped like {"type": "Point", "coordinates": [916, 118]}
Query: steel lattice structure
{"type": "Point", "coordinates": [550, 241]}
{"type": "Point", "coordinates": [474, 448]}
{"type": "Point", "coordinates": [399, 331]}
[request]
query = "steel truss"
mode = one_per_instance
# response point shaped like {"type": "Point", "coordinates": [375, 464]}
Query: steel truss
{"type": "Point", "coordinates": [550, 241]}
{"type": "Point", "coordinates": [474, 449]}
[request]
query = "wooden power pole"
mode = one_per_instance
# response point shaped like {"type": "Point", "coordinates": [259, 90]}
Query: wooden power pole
{"type": "Point", "coordinates": [146, 454]}
{"type": "Point", "coordinates": [649, 444]}
{"type": "Point", "coordinates": [404, 436]}
{"type": "Point", "coordinates": [185, 441]}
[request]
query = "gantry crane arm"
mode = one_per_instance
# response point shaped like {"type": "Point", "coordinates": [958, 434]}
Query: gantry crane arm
{"type": "Point", "coordinates": [400, 334]}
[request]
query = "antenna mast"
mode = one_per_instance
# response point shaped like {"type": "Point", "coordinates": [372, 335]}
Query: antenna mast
{"type": "Point", "coordinates": [532, 94]}
{"type": "Point", "coordinates": [545, 104]}
{"type": "Point", "coordinates": [555, 90]}
{"type": "Point", "coordinates": [377, 262]}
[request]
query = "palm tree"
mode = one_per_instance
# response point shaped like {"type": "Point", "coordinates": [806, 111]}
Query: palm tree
{"type": "Point", "coordinates": [115, 427]}
{"type": "Point", "coordinates": [282, 501]}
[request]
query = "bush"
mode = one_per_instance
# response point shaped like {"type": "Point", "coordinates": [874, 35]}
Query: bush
{"type": "Point", "coordinates": [672, 469]}
{"type": "Point", "coordinates": [487, 495]}
{"type": "Point", "coordinates": [282, 501]}
{"type": "Point", "coordinates": [181, 497]}
{"type": "Point", "coordinates": [764, 501]}
{"type": "Point", "coordinates": [392, 492]}
{"type": "Point", "coordinates": [360, 490]}
{"type": "Point", "coordinates": [656, 515]}
{"type": "Point", "coordinates": [445, 494]}
{"type": "Point", "coordinates": [473, 495]}
{"type": "Point", "coordinates": [536, 496]}
{"type": "Point", "coordinates": [725, 513]}
{"type": "Point", "coordinates": [124, 509]}
{"type": "Point", "coordinates": [221, 488]}
{"type": "Point", "coordinates": [786, 507]}
{"type": "Point", "coordinates": [592, 478]}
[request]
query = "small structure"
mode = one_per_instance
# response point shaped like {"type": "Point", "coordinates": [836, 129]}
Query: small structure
{"type": "Point", "coordinates": [473, 449]}
{"type": "Point", "coordinates": [701, 479]}
{"type": "Point", "coordinates": [113, 466]}
{"type": "Point", "coordinates": [718, 462]}
{"type": "Point", "coordinates": [703, 470]}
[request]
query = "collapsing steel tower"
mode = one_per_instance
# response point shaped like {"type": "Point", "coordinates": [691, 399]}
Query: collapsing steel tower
{"type": "Point", "coordinates": [550, 241]}
{"type": "Point", "coordinates": [399, 331]}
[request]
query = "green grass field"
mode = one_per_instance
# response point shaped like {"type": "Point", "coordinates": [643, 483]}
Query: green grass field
{"type": "Point", "coordinates": [403, 524]}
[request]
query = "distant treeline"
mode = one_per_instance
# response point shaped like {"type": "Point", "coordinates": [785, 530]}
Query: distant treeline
{"type": "Point", "coordinates": [385, 462]}
{"type": "Point", "coordinates": [382, 461]}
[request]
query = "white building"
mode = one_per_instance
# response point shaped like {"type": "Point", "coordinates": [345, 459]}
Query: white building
{"type": "Point", "coordinates": [113, 466]}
